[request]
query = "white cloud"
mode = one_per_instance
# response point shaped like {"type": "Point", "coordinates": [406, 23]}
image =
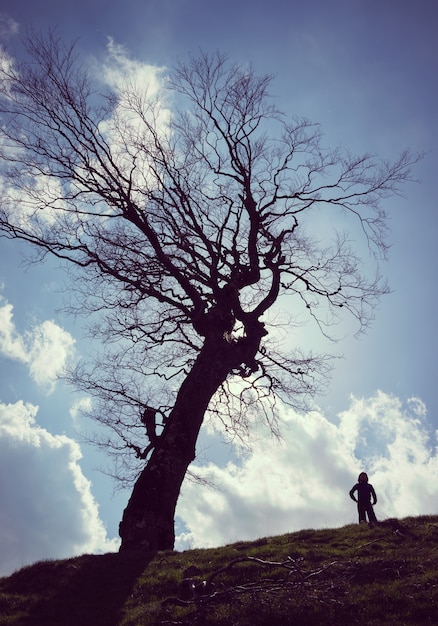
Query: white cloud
{"type": "Point", "coordinates": [303, 482]}
{"type": "Point", "coordinates": [21, 204]}
{"type": "Point", "coordinates": [45, 349]}
{"type": "Point", "coordinates": [83, 404]}
{"type": "Point", "coordinates": [402, 453]}
{"type": "Point", "coordinates": [121, 70]}
{"type": "Point", "coordinates": [47, 508]}
{"type": "Point", "coordinates": [11, 343]}
{"type": "Point", "coordinates": [50, 349]}
{"type": "Point", "coordinates": [140, 116]}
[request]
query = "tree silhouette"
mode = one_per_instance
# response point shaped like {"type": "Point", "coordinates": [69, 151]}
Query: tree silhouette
{"type": "Point", "coordinates": [187, 216]}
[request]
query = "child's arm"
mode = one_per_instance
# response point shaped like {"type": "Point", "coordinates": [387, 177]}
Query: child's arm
{"type": "Point", "coordinates": [352, 493]}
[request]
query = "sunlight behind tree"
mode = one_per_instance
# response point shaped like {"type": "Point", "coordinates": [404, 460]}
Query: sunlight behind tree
{"type": "Point", "coordinates": [187, 209]}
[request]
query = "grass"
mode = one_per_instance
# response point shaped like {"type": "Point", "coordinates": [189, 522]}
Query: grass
{"type": "Point", "coordinates": [352, 575]}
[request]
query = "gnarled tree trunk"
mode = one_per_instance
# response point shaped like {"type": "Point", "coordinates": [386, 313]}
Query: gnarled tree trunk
{"type": "Point", "coordinates": [148, 520]}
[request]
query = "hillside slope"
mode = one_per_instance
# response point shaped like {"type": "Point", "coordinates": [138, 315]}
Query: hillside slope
{"type": "Point", "coordinates": [352, 575]}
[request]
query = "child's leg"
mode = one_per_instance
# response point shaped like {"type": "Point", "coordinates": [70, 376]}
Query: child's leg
{"type": "Point", "coordinates": [371, 515]}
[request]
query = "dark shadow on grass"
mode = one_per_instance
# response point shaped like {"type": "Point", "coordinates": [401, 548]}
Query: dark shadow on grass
{"type": "Point", "coordinates": [90, 590]}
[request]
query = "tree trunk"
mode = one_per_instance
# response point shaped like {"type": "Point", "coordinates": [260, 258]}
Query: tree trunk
{"type": "Point", "coordinates": [148, 520]}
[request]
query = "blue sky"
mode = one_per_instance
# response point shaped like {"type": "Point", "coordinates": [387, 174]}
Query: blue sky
{"type": "Point", "coordinates": [367, 72]}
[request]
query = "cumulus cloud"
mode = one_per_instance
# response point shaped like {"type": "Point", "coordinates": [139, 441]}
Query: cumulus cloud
{"type": "Point", "coordinates": [303, 481]}
{"type": "Point", "coordinates": [47, 507]}
{"type": "Point", "coordinates": [45, 349]}
{"type": "Point", "coordinates": [401, 451]}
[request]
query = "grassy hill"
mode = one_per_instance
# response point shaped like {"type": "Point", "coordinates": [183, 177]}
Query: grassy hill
{"type": "Point", "coordinates": [387, 575]}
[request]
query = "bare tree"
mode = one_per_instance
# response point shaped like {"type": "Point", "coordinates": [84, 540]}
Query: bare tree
{"type": "Point", "coordinates": [186, 217]}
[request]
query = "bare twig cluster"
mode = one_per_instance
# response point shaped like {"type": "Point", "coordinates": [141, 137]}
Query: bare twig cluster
{"type": "Point", "coordinates": [289, 575]}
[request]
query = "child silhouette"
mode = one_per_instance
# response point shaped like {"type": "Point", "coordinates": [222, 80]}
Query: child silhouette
{"type": "Point", "coordinates": [365, 493]}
